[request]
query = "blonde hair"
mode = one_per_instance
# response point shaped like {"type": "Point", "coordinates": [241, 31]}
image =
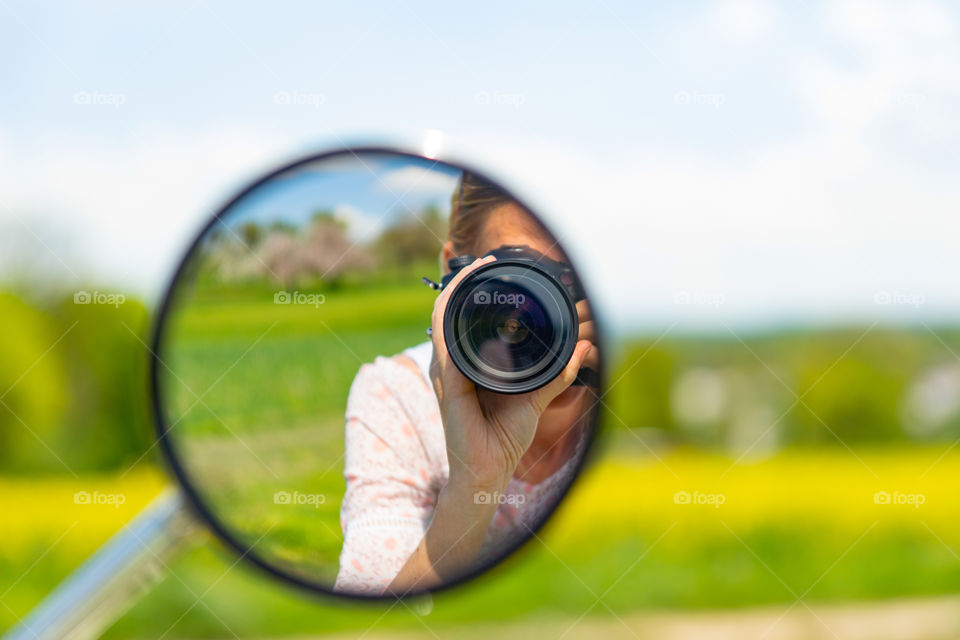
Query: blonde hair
{"type": "Point", "coordinates": [473, 200]}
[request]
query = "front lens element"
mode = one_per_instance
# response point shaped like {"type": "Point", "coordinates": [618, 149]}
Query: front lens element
{"type": "Point", "coordinates": [506, 327]}
{"type": "Point", "coordinates": [512, 323]}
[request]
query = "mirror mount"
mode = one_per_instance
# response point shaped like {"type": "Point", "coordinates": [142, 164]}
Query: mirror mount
{"type": "Point", "coordinates": [121, 571]}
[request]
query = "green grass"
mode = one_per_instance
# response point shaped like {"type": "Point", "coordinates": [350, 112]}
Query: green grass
{"type": "Point", "coordinates": [257, 392]}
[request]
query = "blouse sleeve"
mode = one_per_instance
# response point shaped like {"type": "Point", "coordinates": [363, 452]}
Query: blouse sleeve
{"type": "Point", "coordinates": [388, 498]}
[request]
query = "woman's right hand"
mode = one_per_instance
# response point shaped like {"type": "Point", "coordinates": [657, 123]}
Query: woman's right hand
{"type": "Point", "coordinates": [486, 435]}
{"type": "Point", "coordinates": [487, 432]}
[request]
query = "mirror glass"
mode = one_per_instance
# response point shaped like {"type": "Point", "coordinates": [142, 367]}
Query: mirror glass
{"type": "Point", "coordinates": [305, 405]}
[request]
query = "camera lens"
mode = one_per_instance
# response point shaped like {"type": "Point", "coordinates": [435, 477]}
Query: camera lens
{"type": "Point", "coordinates": [505, 327]}
{"type": "Point", "coordinates": [510, 327]}
{"type": "Point", "coordinates": [512, 330]}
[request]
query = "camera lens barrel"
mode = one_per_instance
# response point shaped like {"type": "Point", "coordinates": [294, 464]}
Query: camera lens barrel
{"type": "Point", "coordinates": [511, 325]}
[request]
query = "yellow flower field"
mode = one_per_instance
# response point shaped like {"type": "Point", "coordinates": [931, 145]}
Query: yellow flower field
{"type": "Point", "coordinates": [687, 531]}
{"type": "Point", "coordinates": [847, 492]}
{"type": "Point", "coordinates": [618, 496]}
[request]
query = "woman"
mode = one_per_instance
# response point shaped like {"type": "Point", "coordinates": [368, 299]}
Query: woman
{"type": "Point", "coordinates": [442, 476]}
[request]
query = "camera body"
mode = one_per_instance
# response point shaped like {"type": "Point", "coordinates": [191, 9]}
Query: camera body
{"type": "Point", "coordinates": [511, 325]}
{"type": "Point", "coordinates": [522, 253]}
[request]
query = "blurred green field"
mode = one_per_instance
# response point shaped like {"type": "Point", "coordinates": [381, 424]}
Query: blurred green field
{"type": "Point", "coordinates": [800, 514]}
{"type": "Point", "coordinates": [274, 425]}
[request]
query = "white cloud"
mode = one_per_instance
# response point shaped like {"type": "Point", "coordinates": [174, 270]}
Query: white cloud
{"type": "Point", "coordinates": [417, 179]}
{"type": "Point", "coordinates": [742, 23]}
{"type": "Point", "coordinates": [810, 226]}
{"type": "Point", "coordinates": [890, 26]}
{"type": "Point", "coordinates": [361, 226]}
{"type": "Point", "coordinates": [900, 70]}
{"type": "Point", "coordinates": [128, 208]}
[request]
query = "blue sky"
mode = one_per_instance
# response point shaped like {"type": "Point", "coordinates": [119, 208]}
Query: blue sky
{"type": "Point", "coordinates": [765, 162]}
{"type": "Point", "coordinates": [368, 193]}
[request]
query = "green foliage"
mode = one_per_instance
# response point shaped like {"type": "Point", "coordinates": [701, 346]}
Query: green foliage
{"type": "Point", "coordinates": [73, 379]}
{"type": "Point", "coordinates": [250, 233]}
{"type": "Point", "coordinates": [414, 238]}
{"type": "Point", "coordinates": [322, 216]}
{"type": "Point", "coordinates": [108, 424]}
{"type": "Point", "coordinates": [82, 399]}
{"type": "Point", "coordinates": [34, 389]}
{"type": "Point", "coordinates": [639, 391]}
{"type": "Point", "coordinates": [811, 387]}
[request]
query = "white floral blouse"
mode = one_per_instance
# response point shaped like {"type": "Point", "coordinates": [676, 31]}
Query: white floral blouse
{"type": "Point", "coordinates": [396, 466]}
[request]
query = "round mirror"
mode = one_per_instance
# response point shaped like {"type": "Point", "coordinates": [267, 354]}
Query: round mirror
{"type": "Point", "coordinates": [376, 374]}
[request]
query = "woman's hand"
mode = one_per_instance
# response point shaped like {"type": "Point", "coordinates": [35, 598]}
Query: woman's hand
{"type": "Point", "coordinates": [488, 432]}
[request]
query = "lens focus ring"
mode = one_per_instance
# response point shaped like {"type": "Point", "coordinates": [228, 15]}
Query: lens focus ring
{"type": "Point", "coordinates": [510, 326]}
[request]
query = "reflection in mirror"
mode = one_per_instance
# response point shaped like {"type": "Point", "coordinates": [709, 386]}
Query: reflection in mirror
{"type": "Point", "coordinates": [350, 428]}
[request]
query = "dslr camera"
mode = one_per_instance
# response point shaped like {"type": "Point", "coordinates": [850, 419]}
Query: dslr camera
{"type": "Point", "coordinates": [512, 325]}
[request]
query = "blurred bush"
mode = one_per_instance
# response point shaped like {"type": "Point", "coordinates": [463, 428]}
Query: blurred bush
{"type": "Point", "coordinates": [72, 384]}
{"type": "Point", "coordinates": [761, 392]}
{"type": "Point", "coordinates": [73, 389]}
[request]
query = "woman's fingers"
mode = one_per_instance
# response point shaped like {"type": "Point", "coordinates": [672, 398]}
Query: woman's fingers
{"type": "Point", "coordinates": [555, 387]}
{"type": "Point", "coordinates": [592, 361]}
{"type": "Point", "coordinates": [588, 331]}
{"type": "Point", "coordinates": [456, 381]}
{"type": "Point", "coordinates": [584, 313]}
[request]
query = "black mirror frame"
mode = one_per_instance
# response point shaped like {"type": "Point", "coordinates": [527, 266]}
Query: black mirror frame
{"type": "Point", "coordinates": [173, 459]}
